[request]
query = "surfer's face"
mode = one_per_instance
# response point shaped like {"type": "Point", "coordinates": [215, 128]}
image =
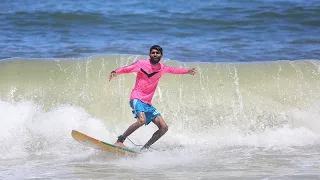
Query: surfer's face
{"type": "Point", "coordinates": [155, 56]}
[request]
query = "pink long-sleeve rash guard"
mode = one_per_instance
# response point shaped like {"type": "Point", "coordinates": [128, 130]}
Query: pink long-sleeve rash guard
{"type": "Point", "coordinates": [148, 76]}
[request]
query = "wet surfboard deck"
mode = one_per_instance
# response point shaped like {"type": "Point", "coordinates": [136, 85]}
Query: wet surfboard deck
{"type": "Point", "coordinates": [100, 145]}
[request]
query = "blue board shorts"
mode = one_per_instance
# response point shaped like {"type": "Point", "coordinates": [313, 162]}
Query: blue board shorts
{"type": "Point", "coordinates": [139, 106]}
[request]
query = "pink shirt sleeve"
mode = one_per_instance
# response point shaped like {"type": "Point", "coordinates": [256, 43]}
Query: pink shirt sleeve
{"type": "Point", "coordinates": [175, 70]}
{"type": "Point", "coordinates": [128, 69]}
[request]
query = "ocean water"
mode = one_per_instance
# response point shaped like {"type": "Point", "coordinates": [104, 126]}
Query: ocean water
{"type": "Point", "coordinates": [188, 30]}
{"type": "Point", "coordinates": [251, 112]}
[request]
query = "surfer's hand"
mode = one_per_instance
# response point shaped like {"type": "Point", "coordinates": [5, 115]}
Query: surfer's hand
{"type": "Point", "coordinates": [112, 74]}
{"type": "Point", "coordinates": [192, 71]}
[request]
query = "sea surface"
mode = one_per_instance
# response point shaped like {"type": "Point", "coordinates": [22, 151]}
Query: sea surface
{"type": "Point", "coordinates": [251, 112]}
{"type": "Point", "coordinates": [230, 30]}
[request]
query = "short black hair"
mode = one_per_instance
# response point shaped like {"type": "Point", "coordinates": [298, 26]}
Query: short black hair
{"type": "Point", "coordinates": [156, 47]}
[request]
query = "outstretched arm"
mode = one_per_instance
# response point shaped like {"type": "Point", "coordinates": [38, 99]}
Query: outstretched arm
{"type": "Point", "coordinates": [126, 69]}
{"type": "Point", "coordinates": [175, 70]}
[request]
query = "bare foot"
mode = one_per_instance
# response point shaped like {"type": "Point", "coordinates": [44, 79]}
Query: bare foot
{"type": "Point", "coordinates": [120, 144]}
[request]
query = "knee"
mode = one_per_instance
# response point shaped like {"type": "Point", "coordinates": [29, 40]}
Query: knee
{"type": "Point", "coordinates": [164, 128]}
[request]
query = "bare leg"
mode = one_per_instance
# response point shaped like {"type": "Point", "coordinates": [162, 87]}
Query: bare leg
{"type": "Point", "coordinates": [140, 122]}
{"type": "Point", "coordinates": [163, 128]}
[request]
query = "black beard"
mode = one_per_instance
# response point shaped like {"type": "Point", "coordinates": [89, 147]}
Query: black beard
{"type": "Point", "coordinates": [155, 60]}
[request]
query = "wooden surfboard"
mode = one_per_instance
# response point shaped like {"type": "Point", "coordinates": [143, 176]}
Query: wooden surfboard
{"type": "Point", "coordinates": [100, 145]}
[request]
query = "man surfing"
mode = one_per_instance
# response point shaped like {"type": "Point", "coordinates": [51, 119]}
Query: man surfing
{"type": "Point", "coordinates": [149, 73]}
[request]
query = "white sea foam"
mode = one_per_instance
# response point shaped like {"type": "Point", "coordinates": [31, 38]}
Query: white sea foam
{"type": "Point", "coordinates": [28, 129]}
